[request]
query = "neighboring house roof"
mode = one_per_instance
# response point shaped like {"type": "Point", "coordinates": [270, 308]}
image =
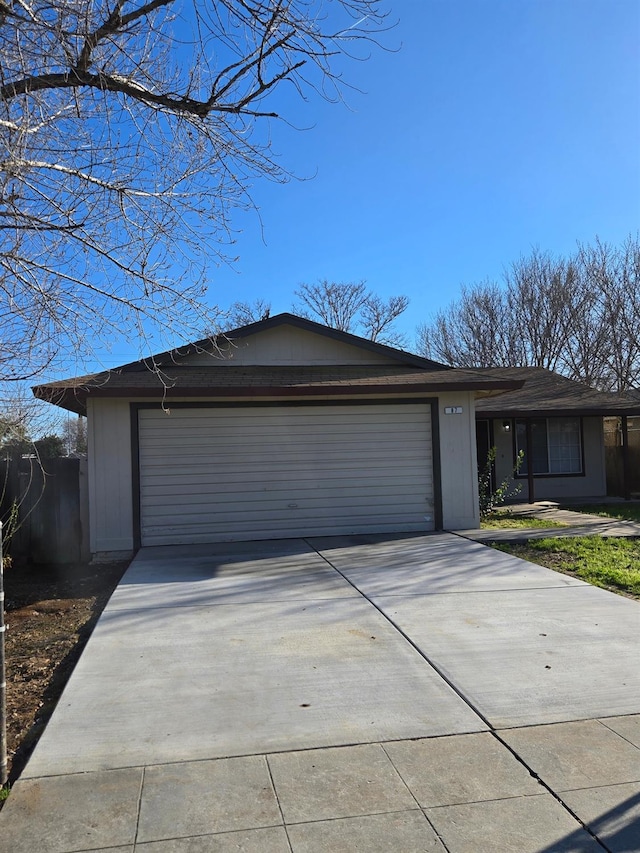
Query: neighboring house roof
{"type": "Point", "coordinates": [168, 375]}
{"type": "Point", "coordinates": [547, 393]}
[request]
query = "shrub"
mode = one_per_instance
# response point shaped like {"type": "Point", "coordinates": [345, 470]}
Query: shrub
{"type": "Point", "coordinates": [492, 498]}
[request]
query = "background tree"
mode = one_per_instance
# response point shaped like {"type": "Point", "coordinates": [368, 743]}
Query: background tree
{"type": "Point", "coordinates": [612, 274]}
{"type": "Point", "coordinates": [351, 307]}
{"type": "Point", "coordinates": [74, 436]}
{"type": "Point", "coordinates": [50, 447]}
{"type": "Point", "coordinates": [471, 332]}
{"type": "Point", "coordinates": [129, 130]}
{"type": "Point", "coordinates": [579, 316]}
{"type": "Point", "coordinates": [23, 424]}
{"type": "Point", "coordinates": [244, 313]}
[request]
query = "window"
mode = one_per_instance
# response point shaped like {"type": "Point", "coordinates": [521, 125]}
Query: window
{"type": "Point", "coordinates": [556, 445]}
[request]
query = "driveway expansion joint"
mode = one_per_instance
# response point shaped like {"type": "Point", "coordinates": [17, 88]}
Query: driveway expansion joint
{"type": "Point", "coordinates": [548, 788]}
{"type": "Point", "coordinates": [139, 804]}
{"type": "Point", "coordinates": [408, 639]}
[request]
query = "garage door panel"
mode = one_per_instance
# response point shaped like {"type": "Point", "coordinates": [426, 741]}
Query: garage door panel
{"type": "Point", "coordinates": [282, 501]}
{"type": "Point", "coordinates": [242, 529]}
{"type": "Point", "coordinates": [186, 535]}
{"type": "Point", "coordinates": [290, 444]}
{"type": "Point", "coordinates": [257, 516]}
{"type": "Point", "coordinates": [260, 474]}
{"type": "Point", "coordinates": [324, 484]}
{"type": "Point", "coordinates": [307, 415]}
{"type": "Point", "coordinates": [331, 433]}
{"type": "Point", "coordinates": [317, 464]}
{"type": "Point", "coordinates": [211, 474]}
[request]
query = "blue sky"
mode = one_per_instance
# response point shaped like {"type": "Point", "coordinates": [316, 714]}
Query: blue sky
{"type": "Point", "coordinates": [494, 126]}
{"type": "Point", "coordinates": [497, 126]}
{"type": "Point", "coordinates": [490, 127]}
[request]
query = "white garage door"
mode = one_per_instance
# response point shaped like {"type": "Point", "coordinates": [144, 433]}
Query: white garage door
{"type": "Point", "coordinates": [264, 472]}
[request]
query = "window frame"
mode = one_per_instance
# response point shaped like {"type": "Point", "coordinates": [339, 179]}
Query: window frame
{"type": "Point", "coordinates": [523, 475]}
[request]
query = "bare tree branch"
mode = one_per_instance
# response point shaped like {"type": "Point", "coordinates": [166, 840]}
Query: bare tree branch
{"type": "Point", "coordinates": [350, 307]}
{"type": "Point", "coordinates": [129, 133]}
{"type": "Point", "coordinates": [579, 316]}
{"type": "Point", "coordinates": [378, 316]}
{"type": "Point", "coordinates": [244, 313]}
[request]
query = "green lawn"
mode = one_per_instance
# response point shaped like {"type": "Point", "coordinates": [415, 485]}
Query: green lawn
{"type": "Point", "coordinates": [608, 562]}
{"type": "Point", "coordinates": [622, 511]}
{"type": "Point", "coordinates": [501, 520]}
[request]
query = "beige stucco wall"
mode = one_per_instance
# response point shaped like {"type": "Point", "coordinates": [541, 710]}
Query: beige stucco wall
{"type": "Point", "coordinates": [458, 462]}
{"type": "Point", "coordinates": [110, 487]}
{"type": "Point", "coordinates": [287, 345]}
{"type": "Point", "coordinates": [592, 484]}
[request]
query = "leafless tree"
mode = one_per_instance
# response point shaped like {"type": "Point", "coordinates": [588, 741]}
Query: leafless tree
{"type": "Point", "coordinates": [129, 131]}
{"type": "Point", "coordinates": [351, 307]}
{"type": "Point", "coordinates": [337, 304]}
{"type": "Point", "coordinates": [243, 313]}
{"type": "Point", "coordinates": [74, 435]}
{"type": "Point", "coordinates": [585, 348]}
{"type": "Point", "coordinates": [377, 318]}
{"type": "Point", "coordinates": [22, 418]}
{"type": "Point", "coordinates": [614, 274]}
{"type": "Point", "coordinates": [539, 290]}
{"type": "Point", "coordinates": [472, 331]}
{"type": "Point", "coordinates": [579, 316]}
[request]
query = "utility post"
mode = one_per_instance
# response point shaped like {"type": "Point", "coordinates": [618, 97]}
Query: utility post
{"type": "Point", "coordinates": [3, 680]}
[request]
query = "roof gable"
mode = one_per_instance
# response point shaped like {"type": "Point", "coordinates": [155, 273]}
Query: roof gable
{"type": "Point", "coordinates": [287, 339]}
{"type": "Point", "coordinates": [285, 345]}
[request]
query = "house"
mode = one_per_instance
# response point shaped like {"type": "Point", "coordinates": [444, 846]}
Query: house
{"type": "Point", "coordinates": [558, 423]}
{"type": "Point", "coordinates": [280, 428]}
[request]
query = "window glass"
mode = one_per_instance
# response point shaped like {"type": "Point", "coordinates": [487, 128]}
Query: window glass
{"type": "Point", "coordinates": [556, 447]}
{"type": "Point", "coordinates": [564, 446]}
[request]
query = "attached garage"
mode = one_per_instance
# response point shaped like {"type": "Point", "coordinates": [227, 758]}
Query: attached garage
{"type": "Point", "coordinates": [282, 428]}
{"type": "Point", "coordinates": [217, 473]}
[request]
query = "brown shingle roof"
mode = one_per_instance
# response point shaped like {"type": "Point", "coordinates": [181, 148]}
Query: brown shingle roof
{"type": "Point", "coordinates": [545, 393]}
{"type": "Point", "coordinates": [265, 381]}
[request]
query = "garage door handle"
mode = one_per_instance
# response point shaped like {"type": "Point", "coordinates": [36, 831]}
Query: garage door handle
{"type": "Point", "coordinates": [292, 506]}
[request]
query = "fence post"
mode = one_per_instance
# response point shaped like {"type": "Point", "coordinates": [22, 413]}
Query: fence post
{"type": "Point", "coordinates": [3, 680]}
{"type": "Point", "coordinates": [626, 472]}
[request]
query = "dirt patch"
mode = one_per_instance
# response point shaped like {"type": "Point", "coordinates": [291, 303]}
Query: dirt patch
{"type": "Point", "coordinates": [50, 613]}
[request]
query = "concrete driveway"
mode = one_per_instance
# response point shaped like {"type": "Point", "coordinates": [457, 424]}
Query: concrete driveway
{"type": "Point", "coordinates": [402, 693]}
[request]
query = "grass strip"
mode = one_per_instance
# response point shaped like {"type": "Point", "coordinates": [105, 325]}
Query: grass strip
{"type": "Point", "coordinates": [516, 521]}
{"type": "Point", "coordinates": [621, 511]}
{"type": "Point", "coordinates": [604, 561]}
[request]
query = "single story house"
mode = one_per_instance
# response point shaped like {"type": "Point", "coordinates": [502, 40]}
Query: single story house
{"type": "Point", "coordinates": [285, 428]}
{"type": "Point", "coordinates": [558, 423]}
{"type": "Point", "coordinates": [280, 428]}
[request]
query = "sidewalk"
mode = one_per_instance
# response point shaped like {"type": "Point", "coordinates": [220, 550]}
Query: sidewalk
{"type": "Point", "coordinates": [578, 524]}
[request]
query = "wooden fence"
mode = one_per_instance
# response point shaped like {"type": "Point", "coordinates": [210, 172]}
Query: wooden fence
{"type": "Point", "coordinates": [50, 506]}
{"type": "Point", "coordinates": [614, 456]}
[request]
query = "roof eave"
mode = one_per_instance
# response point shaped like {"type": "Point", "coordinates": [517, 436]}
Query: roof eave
{"type": "Point", "coordinates": [72, 399]}
{"type": "Point", "coordinates": [75, 399]}
{"type": "Point", "coordinates": [567, 412]}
